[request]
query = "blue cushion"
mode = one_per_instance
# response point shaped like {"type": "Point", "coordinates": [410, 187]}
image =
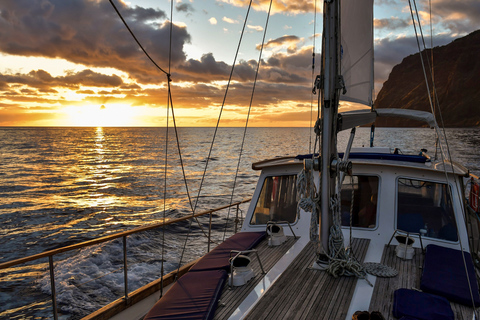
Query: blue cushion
{"type": "Point", "coordinates": [219, 257]}
{"type": "Point", "coordinates": [193, 296]}
{"type": "Point", "coordinates": [444, 275]}
{"type": "Point", "coordinates": [412, 304]}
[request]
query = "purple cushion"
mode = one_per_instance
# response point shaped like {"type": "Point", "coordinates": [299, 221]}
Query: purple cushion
{"type": "Point", "coordinates": [444, 275]}
{"type": "Point", "coordinates": [219, 257]}
{"type": "Point", "coordinates": [193, 296]}
{"type": "Point", "coordinates": [412, 304]}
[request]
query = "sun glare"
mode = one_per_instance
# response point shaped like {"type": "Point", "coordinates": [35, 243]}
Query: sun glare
{"type": "Point", "coordinates": [108, 115]}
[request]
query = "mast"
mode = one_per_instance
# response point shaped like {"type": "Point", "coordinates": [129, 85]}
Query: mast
{"type": "Point", "coordinates": [331, 84]}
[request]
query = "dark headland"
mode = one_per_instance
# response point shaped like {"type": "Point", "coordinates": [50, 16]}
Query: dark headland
{"type": "Point", "coordinates": [457, 80]}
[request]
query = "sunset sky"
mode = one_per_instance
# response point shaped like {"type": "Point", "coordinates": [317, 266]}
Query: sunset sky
{"type": "Point", "coordinates": [73, 63]}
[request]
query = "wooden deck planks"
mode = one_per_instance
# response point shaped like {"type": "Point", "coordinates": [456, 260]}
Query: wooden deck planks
{"type": "Point", "coordinates": [303, 293]}
{"type": "Point", "coordinates": [409, 274]}
{"type": "Point", "coordinates": [231, 298]}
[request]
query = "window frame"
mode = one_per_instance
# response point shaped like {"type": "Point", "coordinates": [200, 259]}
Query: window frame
{"type": "Point", "coordinates": [379, 191]}
{"type": "Point", "coordinates": [452, 200]}
{"type": "Point", "coordinates": [262, 183]}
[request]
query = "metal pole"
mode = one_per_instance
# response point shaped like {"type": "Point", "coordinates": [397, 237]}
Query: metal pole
{"type": "Point", "coordinates": [125, 276]}
{"type": "Point", "coordinates": [236, 219]}
{"type": "Point", "coordinates": [52, 286]}
{"type": "Point", "coordinates": [209, 232]}
{"type": "Point", "coordinates": [330, 70]}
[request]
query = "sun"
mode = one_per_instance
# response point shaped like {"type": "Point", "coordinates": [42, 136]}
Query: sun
{"type": "Point", "coordinates": [106, 115]}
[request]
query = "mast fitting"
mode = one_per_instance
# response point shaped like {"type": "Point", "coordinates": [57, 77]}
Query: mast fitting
{"type": "Point", "coordinates": [318, 84]}
{"type": "Point", "coordinates": [341, 84]}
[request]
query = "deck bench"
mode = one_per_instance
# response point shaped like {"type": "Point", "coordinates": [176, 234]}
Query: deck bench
{"type": "Point", "coordinates": [219, 257]}
{"type": "Point", "coordinates": [444, 275]}
{"type": "Point", "coordinates": [195, 295]}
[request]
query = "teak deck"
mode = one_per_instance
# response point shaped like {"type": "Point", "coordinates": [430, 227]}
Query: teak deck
{"type": "Point", "coordinates": [303, 293]}
{"type": "Point", "coordinates": [409, 273]}
{"type": "Point", "coordinates": [232, 298]}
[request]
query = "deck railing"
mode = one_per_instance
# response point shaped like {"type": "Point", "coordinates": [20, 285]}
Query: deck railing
{"type": "Point", "coordinates": [51, 253]}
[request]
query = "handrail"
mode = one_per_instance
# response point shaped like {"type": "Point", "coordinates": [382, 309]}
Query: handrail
{"type": "Point", "coordinates": [88, 243]}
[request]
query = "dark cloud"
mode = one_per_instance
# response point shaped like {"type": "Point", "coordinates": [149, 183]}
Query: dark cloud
{"type": "Point", "coordinates": [144, 14]}
{"type": "Point", "coordinates": [390, 24]}
{"type": "Point", "coordinates": [43, 80]}
{"type": "Point", "coordinates": [206, 69]}
{"type": "Point", "coordinates": [89, 32]}
{"type": "Point", "coordinates": [460, 17]}
{"type": "Point", "coordinates": [184, 7]}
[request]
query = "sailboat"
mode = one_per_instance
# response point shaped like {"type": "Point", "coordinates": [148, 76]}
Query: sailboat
{"type": "Point", "coordinates": [368, 233]}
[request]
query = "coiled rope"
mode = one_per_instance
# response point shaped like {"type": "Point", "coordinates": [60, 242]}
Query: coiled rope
{"type": "Point", "coordinates": [342, 262]}
{"type": "Point", "coordinates": [307, 193]}
{"type": "Point", "coordinates": [380, 270]}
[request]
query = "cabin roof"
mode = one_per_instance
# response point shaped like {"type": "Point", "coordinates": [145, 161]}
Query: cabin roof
{"type": "Point", "coordinates": [370, 158]}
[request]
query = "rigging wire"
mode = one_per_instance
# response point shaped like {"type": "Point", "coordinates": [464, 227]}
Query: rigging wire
{"type": "Point", "coordinates": [214, 134]}
{"type": "Point", "coordinates": [169, 93]}
{"type": "Point", "coordinates": [248, 117]}
{"type": "Point", "coordinates": [169, 104]}
{"type": "Point", "coordinates": [138, 42]}
{"type": "Point", "coordinates": [433, 73]}
{"type": "Point", "coordinates": [447, 154]}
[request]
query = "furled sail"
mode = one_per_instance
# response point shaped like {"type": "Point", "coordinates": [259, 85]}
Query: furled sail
{"type": "Point", "coordinates": [357, 50]}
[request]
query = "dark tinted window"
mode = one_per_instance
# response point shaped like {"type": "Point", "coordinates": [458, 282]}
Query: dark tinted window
{"type": "Point", "coordinates": [277, 201]}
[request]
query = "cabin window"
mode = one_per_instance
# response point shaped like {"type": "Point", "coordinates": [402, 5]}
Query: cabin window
{"type": "Point", "coordinates": [426, 207]}
{"type": "Point", "coordinates": [364, 210]}
{"type": "Point", "coordinates": [277, 200]}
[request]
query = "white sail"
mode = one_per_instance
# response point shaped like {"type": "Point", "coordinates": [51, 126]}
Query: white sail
{"type": "Point", "coordinates": [357, 50]}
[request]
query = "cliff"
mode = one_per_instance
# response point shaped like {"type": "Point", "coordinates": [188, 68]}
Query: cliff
{"type": "Point", "coordinates": [457, 80]}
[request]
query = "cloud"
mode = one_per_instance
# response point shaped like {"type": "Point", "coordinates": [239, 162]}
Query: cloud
{"type": "Point", "coordinates": [207, 69]}
{"type": "Point", "coordinates": [143, 14]}
{"type": "Point", "coordinates": [287, 6]}
{"type": "Point", "coordinates": [184, 7]}
{"type": "Point", "coordinates": [228, 20]}
{"type": "Point", "coordinates": [89, 32]}
{"type": "Point", "coordinates": [460, 17]}
{"type": "Point", "coordinates": [256, 28]}
{"type": "Point", "coordinates": [41, 79]}
{"type": "Point", "coordinates": [212, 20]}
{"type": "Point", "coordinates": [392, 24]}
{"type": "Point", "coordinates": [290, 41]}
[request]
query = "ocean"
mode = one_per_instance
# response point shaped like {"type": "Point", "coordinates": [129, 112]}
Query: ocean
{"type": "Point", "coordinates": [61, 186]}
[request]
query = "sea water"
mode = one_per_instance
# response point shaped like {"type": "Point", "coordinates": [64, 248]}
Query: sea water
{"type": "Point", "coordinates": [61, 186]}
